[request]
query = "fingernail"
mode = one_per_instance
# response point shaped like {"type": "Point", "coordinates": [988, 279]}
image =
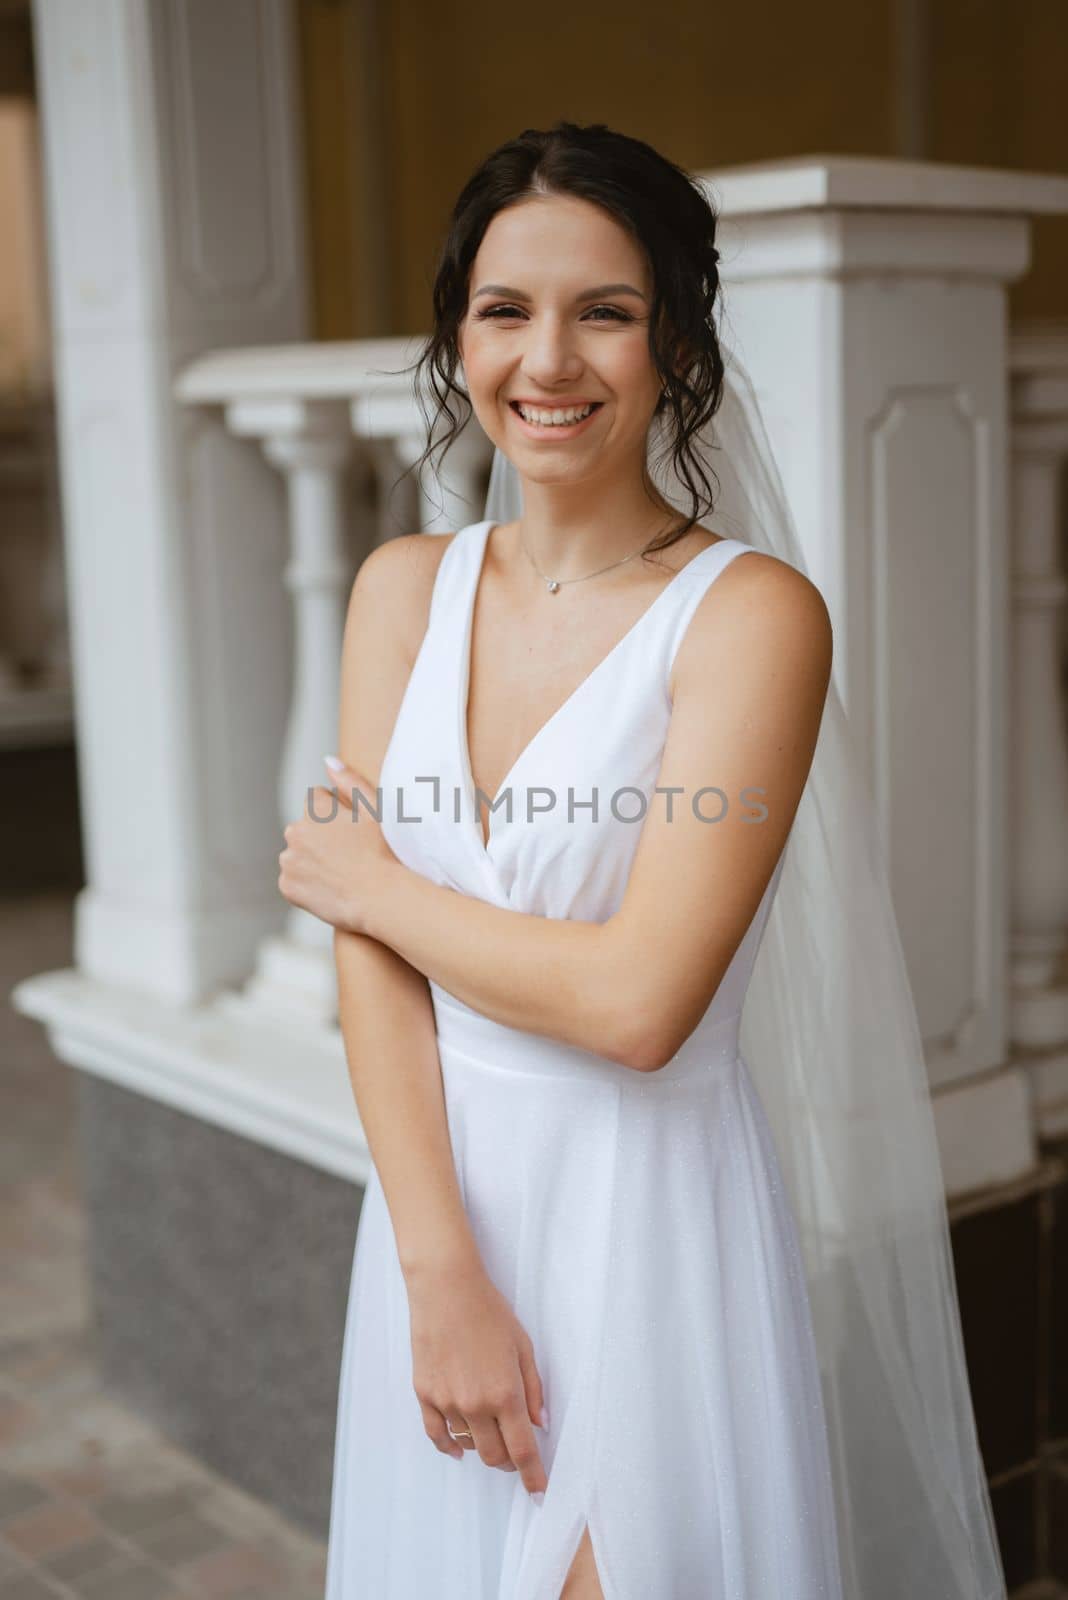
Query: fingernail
{"type": "Point", "coordinates": [333, 763]}
{"type": "Point", "coordinates": [544, 1418]}
{"type": "Point", "coordinates": [538, 1497]}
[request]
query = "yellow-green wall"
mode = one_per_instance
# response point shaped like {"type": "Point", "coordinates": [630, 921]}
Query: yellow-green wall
{"type": "Point", "coordinates": [402, 98]}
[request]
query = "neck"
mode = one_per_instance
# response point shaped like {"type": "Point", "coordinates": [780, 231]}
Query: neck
{"type": "Point", "coordinates": [568, 533]}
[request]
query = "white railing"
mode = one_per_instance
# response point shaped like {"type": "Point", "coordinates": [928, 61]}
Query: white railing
{"type": "Point", "coordinates": [868, 301]}
{"type": "Point", "coordinates": [317, 412]}
{"type": "Point", "coordinates": [314, 410]}
{"type": "Point", "coordinates": [341, 426]}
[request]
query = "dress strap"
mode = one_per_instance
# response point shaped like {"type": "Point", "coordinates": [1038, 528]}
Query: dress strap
{"type": "Point", "coordinates": [691, 586]}
{"type": "Point", "coordinates": [455, 572]}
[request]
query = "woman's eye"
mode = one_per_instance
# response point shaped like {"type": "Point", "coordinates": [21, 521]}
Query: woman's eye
{"type": "Point", "coordinates": [497, 312]}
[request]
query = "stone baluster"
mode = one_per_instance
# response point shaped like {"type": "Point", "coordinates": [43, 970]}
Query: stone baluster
{"type": "Point", "coordinates": [311, 444]}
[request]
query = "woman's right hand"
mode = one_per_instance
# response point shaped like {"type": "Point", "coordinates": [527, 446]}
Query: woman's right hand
{"type": "Point", "coordinates": [472, 1359]}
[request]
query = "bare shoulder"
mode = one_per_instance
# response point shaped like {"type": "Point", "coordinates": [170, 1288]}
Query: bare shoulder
{"type": "Point", "coordinates": [388, 612]}
{"type": "Point", "coordinates": [392, 590]}
{"type": "Point", "coordinates": [766, 608]}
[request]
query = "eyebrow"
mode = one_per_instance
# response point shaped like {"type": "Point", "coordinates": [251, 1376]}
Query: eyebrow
{"type": "Point", "coordinates": [587, 294]}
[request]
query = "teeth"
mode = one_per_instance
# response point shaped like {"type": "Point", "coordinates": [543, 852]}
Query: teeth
{"type": "Point", "coordinates": [552, 419]}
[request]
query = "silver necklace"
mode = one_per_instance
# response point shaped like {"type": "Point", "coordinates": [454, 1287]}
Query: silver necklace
{"type": "Point", "coordinates": [553, 584]}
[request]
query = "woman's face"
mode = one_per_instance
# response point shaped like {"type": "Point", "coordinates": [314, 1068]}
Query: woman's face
{"type": "Point", "coordinates": [558, 318]}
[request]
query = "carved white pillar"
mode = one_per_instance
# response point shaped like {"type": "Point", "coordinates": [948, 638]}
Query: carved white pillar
{"type": "Point", "coordinates": [172, 165]}
{"type": "Point", "coordinates": [869, 301]}
{"type": "Point", "coordinates": [311, 445]}
{"type": "Point", "coordinates": [1039, 743]}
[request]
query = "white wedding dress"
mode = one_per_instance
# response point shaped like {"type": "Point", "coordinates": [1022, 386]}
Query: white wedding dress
{"type": "Point", "coordinates": [637, 1222]}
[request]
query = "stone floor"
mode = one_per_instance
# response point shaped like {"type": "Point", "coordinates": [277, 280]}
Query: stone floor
{"type": "Point", "coordinates": [94, 1502]}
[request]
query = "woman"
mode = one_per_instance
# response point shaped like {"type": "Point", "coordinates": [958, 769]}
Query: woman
{"type": "Point", "coordinates": [577, 1271]}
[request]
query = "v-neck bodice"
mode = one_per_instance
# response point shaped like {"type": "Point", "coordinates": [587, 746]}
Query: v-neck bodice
{"type": "Point", "coordinates": [564, 826]}
{"type": "Point", "coordinates": [630, 640]}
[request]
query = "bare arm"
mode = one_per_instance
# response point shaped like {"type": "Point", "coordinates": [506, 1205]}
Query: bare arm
{"type": "Point", "coordinates": [751, 679]}
{"type": "Point", "coordinates": [386, 1015]}
{"type": "Point", "coordinates": [471, 1357]}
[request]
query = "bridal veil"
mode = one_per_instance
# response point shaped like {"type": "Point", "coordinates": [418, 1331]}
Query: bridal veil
{"type": "Point", "coordinates": [831, 1037]}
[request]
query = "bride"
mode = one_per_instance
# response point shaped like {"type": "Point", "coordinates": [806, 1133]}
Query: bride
{"type": "Point", "coordinates": [645, 1302]}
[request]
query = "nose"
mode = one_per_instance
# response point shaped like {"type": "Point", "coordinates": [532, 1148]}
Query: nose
{"type": "Point", "coordinates": [549, 354]}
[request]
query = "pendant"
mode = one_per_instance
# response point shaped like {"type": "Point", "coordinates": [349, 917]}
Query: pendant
{"type": "Point", "coordinates": [552, 585]}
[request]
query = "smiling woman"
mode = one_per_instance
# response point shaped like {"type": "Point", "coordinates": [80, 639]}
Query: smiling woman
{"type": "Point", "coordinates": [525, 1296]}
{"type": "Point", "coordinates": [579, 1274]}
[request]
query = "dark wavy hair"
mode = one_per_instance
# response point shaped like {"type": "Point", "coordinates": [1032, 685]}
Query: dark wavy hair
{"type": "Point", "coordinates": [669, 215]}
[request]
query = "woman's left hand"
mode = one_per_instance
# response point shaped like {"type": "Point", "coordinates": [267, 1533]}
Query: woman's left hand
{"type": "Point", "coordinates": [334, 855]}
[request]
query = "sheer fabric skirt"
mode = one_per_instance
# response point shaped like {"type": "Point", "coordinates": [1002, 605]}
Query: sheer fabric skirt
{"type": "Point", "coordinates": [638, 1225]}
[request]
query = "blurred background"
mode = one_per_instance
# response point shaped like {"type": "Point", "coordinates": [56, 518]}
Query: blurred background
{"type": "Point", "coordinates": [220, 221]}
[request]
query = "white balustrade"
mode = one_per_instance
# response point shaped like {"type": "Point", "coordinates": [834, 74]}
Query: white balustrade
{"type": "Point", "coordinates": [313, 409]}
{"type": "Point", "coordinates": [218, 502]}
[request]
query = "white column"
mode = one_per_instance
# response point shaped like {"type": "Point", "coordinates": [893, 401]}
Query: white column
{"type": "Point", "coordinates": [311, 445]}
{"type": "Point", "coordinates": [172, 187]}
{"type": "Point", "coordinates": [1039, 744]}
{"type": "Point", "coordinates": [869, 301]}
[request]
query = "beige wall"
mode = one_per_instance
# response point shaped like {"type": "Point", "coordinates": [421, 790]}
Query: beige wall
{"type": "Point", "coordinates": [404, 97]}
{"type": "Point", "coordinates": [1002, 100]}
{"type": "Point", "coordinates": [25, 345]}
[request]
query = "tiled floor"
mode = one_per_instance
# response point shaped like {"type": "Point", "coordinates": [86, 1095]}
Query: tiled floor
{"type": "Point", "coordinates": [94, 1503]}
